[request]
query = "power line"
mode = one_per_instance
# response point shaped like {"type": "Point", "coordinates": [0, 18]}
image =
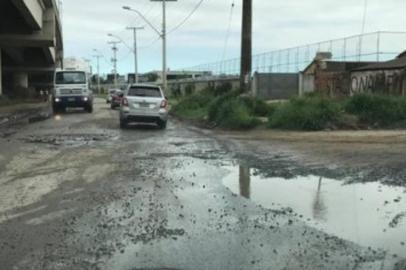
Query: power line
{"type": "Point", "coordinates": [230, 18]}
{"type": "Point", "coordinates": [152, 42]}
{"type": "Point", "coordinates": [187, 17]}
{"type": "Point", "coordinates": [364, 18]}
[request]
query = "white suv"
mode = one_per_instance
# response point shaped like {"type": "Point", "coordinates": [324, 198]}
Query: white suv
{"type": "Point", "coordinates": [144, 103]}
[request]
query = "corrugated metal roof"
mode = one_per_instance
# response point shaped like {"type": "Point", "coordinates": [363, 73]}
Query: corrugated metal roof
{"type": "Point", "coordinates": [398, 63]}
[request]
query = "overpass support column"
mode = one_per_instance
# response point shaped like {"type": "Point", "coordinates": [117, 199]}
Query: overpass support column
{"type": "Point", "coordinates": [20, 80]}
{"type": "Point", "coordinates": [1, 73]}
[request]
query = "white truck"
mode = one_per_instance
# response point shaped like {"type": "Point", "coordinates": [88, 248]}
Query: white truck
{"type": "Point", "coordinates": [71, 89]}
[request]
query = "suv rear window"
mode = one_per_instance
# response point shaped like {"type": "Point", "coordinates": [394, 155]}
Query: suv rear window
{"type": "Point", "coordinates": [144, 92]}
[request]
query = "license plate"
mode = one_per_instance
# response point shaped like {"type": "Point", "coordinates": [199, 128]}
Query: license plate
{"type": "Point", "coordinates": [71, 99]}
{"type": "Point", "coordinates": [144, 105]}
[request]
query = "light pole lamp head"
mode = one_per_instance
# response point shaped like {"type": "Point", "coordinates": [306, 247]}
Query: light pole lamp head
{"type": "Point", "coordinates": [126, 8]}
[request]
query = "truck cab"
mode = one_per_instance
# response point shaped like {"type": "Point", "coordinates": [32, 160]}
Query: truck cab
{"type": "Point", "coordinates": [71, 90]}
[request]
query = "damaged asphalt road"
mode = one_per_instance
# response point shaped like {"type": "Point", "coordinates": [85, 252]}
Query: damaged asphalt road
{"type": "Point", "coordinates": [78, 193]}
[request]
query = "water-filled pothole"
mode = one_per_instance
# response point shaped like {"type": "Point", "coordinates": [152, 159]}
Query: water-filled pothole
{"type": "Point", "coordinates": [370, 214]}
{"type": "Point", "coordinates": [66, 139]}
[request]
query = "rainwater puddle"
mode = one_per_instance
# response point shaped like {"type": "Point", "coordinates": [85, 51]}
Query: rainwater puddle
{"type": "Point", "coordinates": [370, 214]}
{"type": "Point", "coordinates": [67, 139]}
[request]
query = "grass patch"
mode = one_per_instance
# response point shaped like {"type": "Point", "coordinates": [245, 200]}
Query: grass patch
{"type": "Point", "coordinates": [377, 110]}
{"type": "Point", "coordinates": [305, 113]}
{"type": "Point", "coordinates": [233, 113]}
{"type": "Point", "coordinates": [194, 106]}
{"type": "Point", "coordinates": [227, 110]}
{"type": "Point", "coordinates": [311, 113]}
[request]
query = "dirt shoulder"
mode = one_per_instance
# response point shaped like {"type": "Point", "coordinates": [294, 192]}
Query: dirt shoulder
{"type": "Point", "coordinates": [359, 136]}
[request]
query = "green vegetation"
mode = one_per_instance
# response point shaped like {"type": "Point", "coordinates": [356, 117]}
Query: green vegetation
{"type": "Point", "coordinates": [317, 113]}
{"type": "Point", "coordinates": [194, 106]}
{"type": "Point", "coordinates": [377, 110]}
{"type": "Point", "coordinates": [232, 112]}
{"type": "Point", "coordinates": [305, 113]}
{"type": "Point", "coordinates": [228, 109]}
{"type": "Point", "coordinates": [220, 106]}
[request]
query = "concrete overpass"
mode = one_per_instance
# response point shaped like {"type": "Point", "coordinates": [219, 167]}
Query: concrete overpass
{"type": "Point", "coordinates": [31, 45]}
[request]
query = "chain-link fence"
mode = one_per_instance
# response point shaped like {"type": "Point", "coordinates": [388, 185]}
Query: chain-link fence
{"type": "Point", "coordinates": [377, 46]}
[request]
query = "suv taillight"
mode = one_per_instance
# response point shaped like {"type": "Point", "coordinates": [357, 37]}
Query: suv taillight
{"type": "Point", "coordinates": [164, 103]}
{"type": "Point", "coordinates": [124, 102]}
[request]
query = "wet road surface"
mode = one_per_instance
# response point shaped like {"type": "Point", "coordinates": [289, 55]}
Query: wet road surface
{"type": "Point", "coordinates": [78, 193]}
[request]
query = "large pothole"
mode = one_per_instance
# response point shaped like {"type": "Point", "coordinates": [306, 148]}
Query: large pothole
{"type": "Point", "coordinates": [67, 139]}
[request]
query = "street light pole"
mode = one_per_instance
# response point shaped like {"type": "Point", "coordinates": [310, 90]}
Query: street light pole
{"type": "Point", "coordinates": [164, 70]}
{"type": "Point", "coordinates": [114, 59]}
{"type": "Point", "coordinates": [97, 56]}
{"type": "Point", "coordinates": [161, 34]}
{"type": "Point", "coordinates": [134, 29]}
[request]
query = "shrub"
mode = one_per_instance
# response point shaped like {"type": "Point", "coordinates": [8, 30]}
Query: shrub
{"type": "Point", "coordinates": [215, 105]}
{"type": "Point", "coordinates": [194, 101]}
{"type": "Point", "coordinates": [194, 106]}
{"type": "Point", "coordinates": [234, 114]}
{"type": "Point", "coordinates": [305, 113]}
{"type": "Point", "coordinates": [176, 92]}
{"type": "Point", "coordinates": [377, 109]}
{"type": "Point", "coordinates": [189, 89]}
{"type": "Point", "coordinates": [257, 106]}
{"type": "Point", "coordinates": [223, 88]}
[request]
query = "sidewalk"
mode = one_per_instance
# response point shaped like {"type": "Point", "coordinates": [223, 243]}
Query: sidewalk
{"type": "Point", "coordinates": [23, 113]}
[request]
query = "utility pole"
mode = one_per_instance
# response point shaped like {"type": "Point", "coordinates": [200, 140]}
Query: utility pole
{"type": "Point", "coordinates": [163, 35]}
{"type": "Point", "coordinates": [98, 56]}
{"type": "Point", "coordinates": [114, 59]}
{"type": "Point", "coordinates": [246, 46]}
{"type": "Point", "coordinates": [134, 29]}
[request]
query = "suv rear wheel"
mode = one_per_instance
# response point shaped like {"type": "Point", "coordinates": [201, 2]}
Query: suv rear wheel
{"type": "Point", "coordinates": [162, 124]}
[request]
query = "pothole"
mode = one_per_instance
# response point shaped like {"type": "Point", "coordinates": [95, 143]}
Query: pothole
{"type": "Point", "coordinates": [370, 214]}
{"type": "Point", "coordinates": [67, 139]}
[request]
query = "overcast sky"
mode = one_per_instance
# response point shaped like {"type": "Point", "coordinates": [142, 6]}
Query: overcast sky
{"type": "Point", "coordinates": [277, 25]}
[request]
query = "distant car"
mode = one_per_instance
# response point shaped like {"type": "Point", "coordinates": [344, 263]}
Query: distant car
{"type": "Point", "coordinates": [116, 99]}
{"type": "Point", "coordinates": [144, 104]}
{"type": "Point", "coordinates": [110, 94]}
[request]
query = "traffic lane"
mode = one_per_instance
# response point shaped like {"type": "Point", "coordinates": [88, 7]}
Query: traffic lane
{"type": "Point", "coordinates": [54, 172]}
{"type": "Point", "coordinates": [163, 205]}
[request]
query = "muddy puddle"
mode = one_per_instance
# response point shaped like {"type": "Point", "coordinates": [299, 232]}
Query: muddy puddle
{"type": "Point", "coordinates": [67, 139]}
{"type": "Point", "coordinates": [370, 214]}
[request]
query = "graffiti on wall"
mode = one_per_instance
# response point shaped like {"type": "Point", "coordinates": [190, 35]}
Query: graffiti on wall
{"type": "Point", "coordinates": [333, 84]}
{"type": "Point", "coordinates": [378, 82]}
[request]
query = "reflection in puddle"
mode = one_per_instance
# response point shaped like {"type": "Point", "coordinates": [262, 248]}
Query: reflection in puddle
{"type": "Point", "coordinates": [245, 182]}
{"type": "Point", "coordinates": [361, 213]}
{"type": "Point", "coordinates": [319, 208]}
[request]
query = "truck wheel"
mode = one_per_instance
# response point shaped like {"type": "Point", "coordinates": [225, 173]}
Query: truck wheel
{"type": "Point", "coordinates": [89, 108]}
{"type": "Point", "coordinates": [58, 109]}
{"type": "Point", "coordinates": [55, 109]}
{"type": "Point", "coordinates": [123, 123]}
